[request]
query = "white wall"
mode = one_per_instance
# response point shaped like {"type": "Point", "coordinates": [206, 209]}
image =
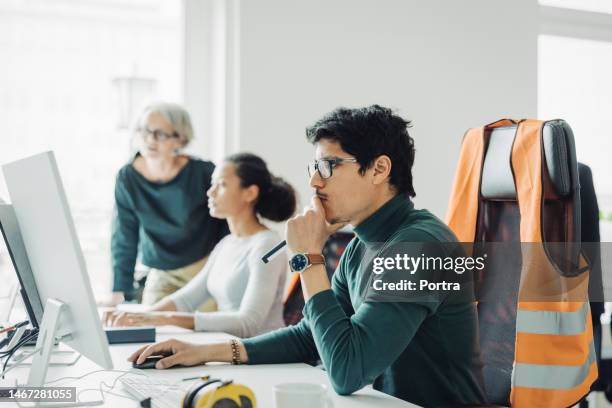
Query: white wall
{"type": "Point", "coordinates": [446, 65]}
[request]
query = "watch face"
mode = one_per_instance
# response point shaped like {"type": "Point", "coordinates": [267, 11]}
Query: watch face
{"type": "Point", "coordinates": [298, 262]}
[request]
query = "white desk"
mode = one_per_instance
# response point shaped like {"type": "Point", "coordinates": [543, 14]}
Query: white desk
{"type": "Point", "coordinates": [260, 378]}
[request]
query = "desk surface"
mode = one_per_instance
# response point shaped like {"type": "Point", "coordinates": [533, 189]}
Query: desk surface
{"type": "Point", "coordinates": [260, 378]}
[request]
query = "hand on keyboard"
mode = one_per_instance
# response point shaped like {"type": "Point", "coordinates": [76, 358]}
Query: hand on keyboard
{"type": "Point", "coordinates": [178, 352]}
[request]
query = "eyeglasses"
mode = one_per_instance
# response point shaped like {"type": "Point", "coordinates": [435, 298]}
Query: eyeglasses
{"type": "Point", "coordinates": [325, 166]}
{"type": "Point", "coordinates": [158, 135]}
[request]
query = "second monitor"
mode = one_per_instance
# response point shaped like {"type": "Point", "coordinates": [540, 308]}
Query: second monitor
{"type": "Point", "coordinates": [57, 263]}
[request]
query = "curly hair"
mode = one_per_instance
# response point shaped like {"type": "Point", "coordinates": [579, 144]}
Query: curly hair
{"type": "Point", "coordinates": [367, 133]}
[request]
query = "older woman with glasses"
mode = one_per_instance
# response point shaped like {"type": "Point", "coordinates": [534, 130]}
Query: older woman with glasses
{"type": "Point", "coordinates": [161, 210]}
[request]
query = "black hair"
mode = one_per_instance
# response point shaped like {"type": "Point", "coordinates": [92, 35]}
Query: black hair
{"type": "Point", "coordinates": [276, 200]}
{"type": "Point", "coordinates": [367, 133]}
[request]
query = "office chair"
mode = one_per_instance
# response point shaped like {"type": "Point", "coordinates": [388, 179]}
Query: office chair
{"type": "Point", "coordinates": [591, 240]}
{"type": "Point", "coordinates": [493, 221]}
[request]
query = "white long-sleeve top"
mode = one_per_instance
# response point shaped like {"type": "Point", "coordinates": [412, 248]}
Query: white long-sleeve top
{"type": "Point", "coordinates": [248, 292]}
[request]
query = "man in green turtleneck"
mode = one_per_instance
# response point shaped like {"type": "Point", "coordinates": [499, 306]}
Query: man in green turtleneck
{"type": "Point", "coordinates": [420, 349]}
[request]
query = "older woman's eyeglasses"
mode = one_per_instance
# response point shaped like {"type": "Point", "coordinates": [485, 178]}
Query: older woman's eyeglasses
{"type": "Point", "coordinates": [158, 135]}
{"type": "Point", "coordinates": [325, 166]}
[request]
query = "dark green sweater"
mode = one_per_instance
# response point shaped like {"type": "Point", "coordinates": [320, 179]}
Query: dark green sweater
{"type": "Point", "coordinates": [425, 352]}
{"type": "Point", "coordinates": [169, 222]}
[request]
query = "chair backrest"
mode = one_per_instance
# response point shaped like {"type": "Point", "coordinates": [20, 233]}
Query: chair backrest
{"type": "Point", "coordinates": [589, 219]}
{"type": "Point", "coordinates": [499, 221]}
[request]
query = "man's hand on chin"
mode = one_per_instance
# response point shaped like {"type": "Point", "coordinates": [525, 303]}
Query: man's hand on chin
{"type": "Point", "coordinates": [307, 232]}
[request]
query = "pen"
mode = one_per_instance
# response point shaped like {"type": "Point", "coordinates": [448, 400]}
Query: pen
{"type": "Point", "coordinates": [200, 377]}
{"type": "Point", "coordinates": [273, 251]}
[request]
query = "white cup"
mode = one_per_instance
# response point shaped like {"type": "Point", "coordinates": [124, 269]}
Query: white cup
{"type": "Point", "coordinates": [302, 395]}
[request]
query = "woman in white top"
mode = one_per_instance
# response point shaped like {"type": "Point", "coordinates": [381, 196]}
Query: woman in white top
{"type": "Point", "coordinates": [247, 291]}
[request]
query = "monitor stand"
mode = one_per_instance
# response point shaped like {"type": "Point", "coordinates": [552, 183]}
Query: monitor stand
{"type": "Point", "coordinates": [47, 336]}
{"type": "Point", "coordinates": [44, 345]}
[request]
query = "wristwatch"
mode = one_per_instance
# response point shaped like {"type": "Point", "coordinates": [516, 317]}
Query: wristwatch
{"type": "Point", "coordinates": [301, 262]}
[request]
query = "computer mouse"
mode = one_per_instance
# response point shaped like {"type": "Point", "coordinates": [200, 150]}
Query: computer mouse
{"type": "Point", "coordinates": [148, 363]}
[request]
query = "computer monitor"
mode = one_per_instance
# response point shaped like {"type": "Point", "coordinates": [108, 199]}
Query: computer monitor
{"type": "Point", "coordinates": [57, 263]}
{"type": "Point", "coordinates": [19, 258]}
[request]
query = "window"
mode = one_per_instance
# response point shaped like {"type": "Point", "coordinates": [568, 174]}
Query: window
{"type": "Point", "coordinates": [601, 6]}
{"type": "Point", "coordinates": [574, 83]}
{"type": "Point", "coordinates": [72, 73]}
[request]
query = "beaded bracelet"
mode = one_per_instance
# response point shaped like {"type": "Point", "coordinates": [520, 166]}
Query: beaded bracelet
{"type": "Point", "coordinates": [235, 352]}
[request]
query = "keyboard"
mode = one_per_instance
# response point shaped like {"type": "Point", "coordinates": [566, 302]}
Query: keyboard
{"type": "Point", "coordinates": [163, 394]}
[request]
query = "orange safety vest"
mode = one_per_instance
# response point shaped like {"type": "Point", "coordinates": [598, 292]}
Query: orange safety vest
{"type": "Point", "coordinates": [554, 355]}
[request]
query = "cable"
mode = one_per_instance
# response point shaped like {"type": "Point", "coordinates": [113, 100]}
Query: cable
{"type": "Point", "coordinates": [110, 387]}
{"type": "Point", "coordinates": [12, 351]}
{"type": "Point", "coordinates": [100, 388]}
{"type": "Point", "coordinates": [93, 372]}
{"type": "Point", "coordinates": [114, 384]}
{"type": "Point", "coordinates": [20, 343]}
{"type": "Point", "coordinates": [19, 361]}
{"type": "Point", "coordinates": [13, 327]}
{"type": "Point", "coordinates": [102, 384]}
{"type": "Point", "coordinates": [14, 333]}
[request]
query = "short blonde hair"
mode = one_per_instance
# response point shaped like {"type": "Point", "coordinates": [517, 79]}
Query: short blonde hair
{"type": "Point", "coordinates": [176, 115]}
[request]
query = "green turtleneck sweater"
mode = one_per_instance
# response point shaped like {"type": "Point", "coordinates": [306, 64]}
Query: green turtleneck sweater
{"type": "Point", "coordinates": [420, 350]}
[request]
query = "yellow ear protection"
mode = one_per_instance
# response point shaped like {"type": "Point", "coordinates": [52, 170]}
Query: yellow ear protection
{"type": "Point", "coordinates": [225, 395]}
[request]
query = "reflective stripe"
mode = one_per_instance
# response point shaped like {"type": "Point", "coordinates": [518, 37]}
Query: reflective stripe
{"type": "Point", "coordinates": [552, 377]}
{"type": "Point", "coordinates": [544, 322]}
